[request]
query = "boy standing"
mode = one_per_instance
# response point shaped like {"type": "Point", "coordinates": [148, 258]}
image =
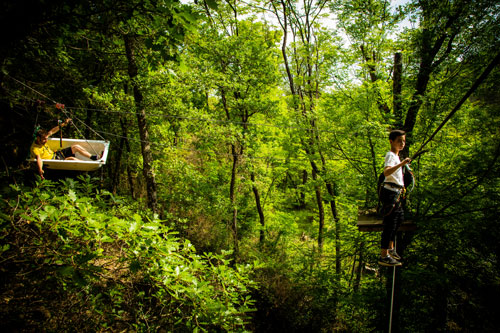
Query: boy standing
{"type": "Point", "coordinates": [390, 194]}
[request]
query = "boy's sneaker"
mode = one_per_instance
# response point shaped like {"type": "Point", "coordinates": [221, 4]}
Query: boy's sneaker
{"type": "Point", "coordinates": [388, 261]}
{"type": "Point", "coordinates": [393, 253]}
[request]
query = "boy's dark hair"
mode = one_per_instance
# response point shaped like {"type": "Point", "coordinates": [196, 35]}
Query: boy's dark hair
{"type": "Point", "coordinates": [41, 133]}
{"type": "Point", "coordinates": [395, 134]}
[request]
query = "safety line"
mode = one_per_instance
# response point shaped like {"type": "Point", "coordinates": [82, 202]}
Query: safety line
{"type": "Point", "coordinates": [284, 159]}
{"type": "Point", "coordinates": [178, 117]}
{"type": "Point", "coordinates": [66, 113]}
{"type": "Point", "coordinates": [34, 90]}
{"type": "Point", "coordinates": [205, 120]}
{"type": "Point", "coordinates": [206, 152]}
{"type": "Point", "coordinates": [392, 291]}
{"type": "Point", "coordinates": [469, 92]}
{"type": "Point", "coordinates": [315, 130]}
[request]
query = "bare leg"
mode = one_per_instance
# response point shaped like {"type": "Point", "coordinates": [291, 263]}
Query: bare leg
{"type": "Point", "coordinates": [81, 150]}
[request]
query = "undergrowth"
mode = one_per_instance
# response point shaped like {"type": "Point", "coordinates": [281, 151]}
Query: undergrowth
{"type": "Point", "coordinates": [76, 258]}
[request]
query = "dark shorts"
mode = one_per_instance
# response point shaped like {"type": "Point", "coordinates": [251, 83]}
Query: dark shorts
{"type": "Point", "coordinates": [64, 153]}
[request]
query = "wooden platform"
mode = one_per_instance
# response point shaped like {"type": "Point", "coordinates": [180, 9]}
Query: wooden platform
{"type": "Point", "coordinates": [373, 223]}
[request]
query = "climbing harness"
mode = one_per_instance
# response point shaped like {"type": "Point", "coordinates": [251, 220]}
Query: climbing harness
{"type": "Point", "coordinates": [402, 191]}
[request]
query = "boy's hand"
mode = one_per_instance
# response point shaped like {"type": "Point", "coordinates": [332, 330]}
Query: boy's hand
{"type": "Point", "coordinates": [67, 121]}
{"type": "Point", "coordinates": [406, 161]}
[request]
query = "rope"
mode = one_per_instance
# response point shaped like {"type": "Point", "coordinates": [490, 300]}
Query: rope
{"type": "Point", "coordinates": [90, 128]}
{"type": "Point", "coordinates": [66, 113]}
{"type": "Point", "coordinates": [473, 88]}
{"type": "Point", "coordinates": [63, 109]}
{"type": "Point", "coordinates": [392, 294]}
{"type": "Point", "coordinates": [392, 290]}
{"type": "Point", "coordinates": [204, 151]}
{"type": "Point", "coordinates": [32, 89]}
{"type": "Point", "coordinates": [182, 117]}
{"type": "Point", "coordinates": [205, 120]}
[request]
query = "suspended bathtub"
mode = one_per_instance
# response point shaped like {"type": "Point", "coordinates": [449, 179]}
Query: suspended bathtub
{"type": "Point", "coordinates": [94, 147]}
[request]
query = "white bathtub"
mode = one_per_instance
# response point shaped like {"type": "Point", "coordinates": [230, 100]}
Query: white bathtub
{"type": "Point", "coordinates": [94, 147]}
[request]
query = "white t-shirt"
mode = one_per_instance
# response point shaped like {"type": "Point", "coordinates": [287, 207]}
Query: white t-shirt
{"type": "Point", "coordinates": [396, 177]}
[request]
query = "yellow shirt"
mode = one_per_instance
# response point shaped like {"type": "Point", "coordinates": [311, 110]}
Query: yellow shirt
{"type": "Point", "coordinates": [44, 151]}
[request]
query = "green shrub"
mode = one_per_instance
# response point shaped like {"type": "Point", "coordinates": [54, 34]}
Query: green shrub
{"type": "Point", "coordinates": [116, 266]}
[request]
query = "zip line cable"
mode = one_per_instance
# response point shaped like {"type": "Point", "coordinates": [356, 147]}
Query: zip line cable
{"type": "Point", "coordinates": [76, 127]}
{"type": "Point", "coordinates": [206, 152]}
{"type": "Point", "coordinates": [392, 291]}
{"type": "Point", "coordinates": [183, 117]}
{"type": "Point", "coordinates": [62, 108]}
{"type": "Point", "coordinates": [81, 121]}
{"type": "Point", "coordinates": [284, 159]}
{"type": "Point", "coordinates": [34, 90]}
{"type": "Point", "coordinates": [204, 120]}
{"type": "Point", "coordinates": [469, 92]}
{"type": "Point", "coordinates": [476, 84]}
{"type": "Point", "coordinates": [481, 78]}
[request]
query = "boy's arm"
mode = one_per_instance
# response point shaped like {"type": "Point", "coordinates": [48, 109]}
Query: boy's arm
{"type": "Point", "coordinates": [389, 170]}
{"type": "Point", "coordinates": [55, 129]}
{"type": "Point", "coordinates": [39, 163]}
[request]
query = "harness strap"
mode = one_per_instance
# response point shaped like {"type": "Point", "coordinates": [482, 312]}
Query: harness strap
{"type": "Point", "coordinates": [393, 185]}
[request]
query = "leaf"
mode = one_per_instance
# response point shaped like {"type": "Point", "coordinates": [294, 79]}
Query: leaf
{"type": "Point", "coordinates": [212, 4]}
{"type": "Point", "coordinates": [4, 248]}
{"type": "Point", "coordinates": [51, 210]}
{"type": "Point", "coordinates": [65, 270]}
{"type": "Point", "coordinates": [133, 227]}
{"type": "Point", "coordinates": [72, 195]}
{"type": "Point", "coordinates": [135, 266]}
{"type": "Point", "coordinates": [43, 216]}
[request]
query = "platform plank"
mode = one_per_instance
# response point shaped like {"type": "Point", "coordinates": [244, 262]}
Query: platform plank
{"type": "Point", "coordinates": [373, 223]}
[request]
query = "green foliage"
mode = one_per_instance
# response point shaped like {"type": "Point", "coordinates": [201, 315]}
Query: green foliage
{"type": "Point", "coordinates": [301, 116]}
{"type": "Point", "coordinates": [126, 269]}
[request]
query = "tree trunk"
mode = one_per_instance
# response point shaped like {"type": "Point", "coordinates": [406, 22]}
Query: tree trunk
{"type": "Point", "coordinates": [232, 184]}
{"type": "Point", "coordinates": [116, 174]}
{"type": "Point", "coordinates": [428, 63]}
{"type": "Point", "coordinates": [336, 219]}
{"type": "Point", "coordinates": [359, 268]}
{"type": "Point", "coordinates": [382, 105]}
{"type": "Point", "coordinates": [259, 207]}
{"type": "Point", "coordinates": [232, 199]}
{"type": "Point", "coordinates": [302, 193]}
{"type": "Point", "coordinates": [321, 209]}
{"type": "Point", "coordinates": [147, 155]}
{"type": "Point", "coordinates": [396, 89]}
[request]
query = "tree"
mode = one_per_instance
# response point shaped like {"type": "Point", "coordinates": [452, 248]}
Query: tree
{"type": "Point", "coordinates": [239, 57]}
{"type": "Point", "coordinates": [305, 66]}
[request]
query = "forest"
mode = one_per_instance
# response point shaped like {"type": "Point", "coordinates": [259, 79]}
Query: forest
{"type": "Point", "coordinates": [246, 138]}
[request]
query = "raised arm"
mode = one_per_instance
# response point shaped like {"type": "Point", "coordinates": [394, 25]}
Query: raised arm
{"type": "Point", "coordinates": [55, 129]}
